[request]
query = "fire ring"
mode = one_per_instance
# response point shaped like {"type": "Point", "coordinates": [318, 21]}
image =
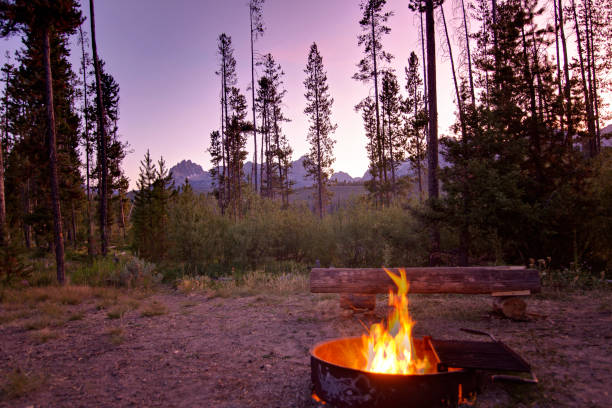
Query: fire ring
{"type": "Point", "coordinates": [338, 379]}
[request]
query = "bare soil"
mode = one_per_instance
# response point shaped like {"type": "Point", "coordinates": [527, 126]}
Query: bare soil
{"type": "Point", "coordinates": [172, 349]}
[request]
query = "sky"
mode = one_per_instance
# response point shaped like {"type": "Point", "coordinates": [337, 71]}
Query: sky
{"type": "Point", "coordinates": [164, 56]}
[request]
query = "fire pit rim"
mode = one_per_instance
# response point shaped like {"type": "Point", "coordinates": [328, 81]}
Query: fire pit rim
{"type": "Point", "coordinates": [452, 370]}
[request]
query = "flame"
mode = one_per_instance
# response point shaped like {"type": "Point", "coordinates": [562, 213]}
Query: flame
{"type": "Point", "coordinates": [390, 349]}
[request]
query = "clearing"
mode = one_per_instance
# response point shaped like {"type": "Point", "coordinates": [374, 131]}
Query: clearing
{"type": "Point", "coordinates": [78, 346]}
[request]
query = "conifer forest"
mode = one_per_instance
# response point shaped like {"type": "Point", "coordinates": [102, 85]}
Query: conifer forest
{"type": "Point", "coordinates": [468, 141]}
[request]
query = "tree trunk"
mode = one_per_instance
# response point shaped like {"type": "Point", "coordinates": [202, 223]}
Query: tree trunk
{"type": "Point", "coordinates": [423, 58]}
{"type": "Point", "coordinates": [90, 238]}
{"type": "Point", "coordinates": [560, 99]}
{"type": "Point", "coordinates": [73, 225]}
{"type": "Point", "coordinates": [27, 207]}
{"type": "Point", "coordinates": [469, 55]}
{"type": "Point", "coordinates": [393, 192]}
{"type": "Point", "coordinates": [375, 63]}
{"type": "Point", "coordinates": [254, 170]}
{"type": "Point", "coordinates": [594, 85]}
{"type": "Point", "coordinates": [432, 145]}
{"type": "Point", "coordinates": [102, 138]}
{"type": "Point", "coordinates": [585, 88]}
{"type": "Point", "coordinates": [418, 144]}
{"type": "Point", "coordinates": [318, 126]}
{"type": "Point", "coordinates": [122, 201]}
{"type": "Point", "coordinates": [567, 90]}
{"type": "Point", "coordinates": [226, 158]}
{"type": "Point", "coordinates": [4, 233]}
{"type": "Point", "coordinates": [3, 226]}
{"type": "Point", "coordinates": [51, 142]}
{"type": "Point", "coordinates": [464, 236]}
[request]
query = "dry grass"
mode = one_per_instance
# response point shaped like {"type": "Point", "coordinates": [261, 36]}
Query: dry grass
{"type": "Point", "coordinates": [62, 295]}
{"type": "Point", "coordinates": [19, 383]}
{"type": "Point", "coordinates": [44, 335]}
{"type": "Point", "coordinates": [116, 335]}
{"type": "Point", "coordinates": [154, 309]}
{"type": "Point", "coordinates": [252, 283]}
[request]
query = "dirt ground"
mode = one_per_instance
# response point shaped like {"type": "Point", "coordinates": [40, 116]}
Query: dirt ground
{"type": "Point", "coordinates": [171, 349]}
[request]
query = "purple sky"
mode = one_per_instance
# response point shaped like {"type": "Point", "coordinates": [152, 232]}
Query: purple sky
{"type": "Point", "coordinates": [163, 54]}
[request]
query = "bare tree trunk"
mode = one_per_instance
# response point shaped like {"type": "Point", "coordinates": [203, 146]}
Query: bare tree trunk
{"type": "Point", "coordinates": [73, 225]}
{"type": "Point", "coordinates": [90, 227]}
{"type": "Point", "coordinates": [226, 157]}
{"type": "Point", "coordinates": [254, 168]}
{"type": "Point", "coordinates": [469, 55]}
{"type": "Point", "coordinates": [567, 90]}
{"type": "Point", "coordinates": [392, 159]}
{"type": "Point", "coordinates": [102, 135]}
{"type": "Point", "coordinates": [318, 125]}
{"type": "Point", "coordinates": [264, 123]}
{"type": "Point", "coordinates": [560, 99]}
{"type": "Point", "coordinates": [464, 236]}
{"type": "Point", "coordinates": [594, 85]}
{"type": "Point", "coordinates": [221, 175]}
{"type": "Point", "coordinates": [375, 63]}
{"type": "Point", "coordinates": [424, 59]}
{"type": "Point", "coordinates": [587, 99]}
{"type": "Point", "coordinates": [432, 145]}
{"type": "Point", "coordinates": [418, 144]}
{"type": "Point", "coordinates": [51, 142]}
{"type": "Point", "coordinates": [3, 227]}
{"type": "Point", "coordinates": [122, 202]}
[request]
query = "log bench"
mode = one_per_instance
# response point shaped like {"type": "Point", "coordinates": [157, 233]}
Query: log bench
{"type": "Point", "coordinates": [358, 286]}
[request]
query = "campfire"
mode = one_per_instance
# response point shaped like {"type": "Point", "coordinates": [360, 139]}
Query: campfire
{"type": "Point", "coordinates": [389, 348]}
{"type": "Point", "coordinates": [388, 367]}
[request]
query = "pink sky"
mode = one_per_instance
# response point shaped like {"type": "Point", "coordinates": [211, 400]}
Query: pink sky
{"type": "Point", "coordinates": [163, 55]}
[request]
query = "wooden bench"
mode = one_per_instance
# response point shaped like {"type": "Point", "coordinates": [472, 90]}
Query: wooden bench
{"type": "Point", "coordinates": [358, 287]}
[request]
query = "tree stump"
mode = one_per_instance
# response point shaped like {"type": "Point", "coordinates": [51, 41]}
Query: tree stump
{"type": "Point", "coordinates": [512, 307]}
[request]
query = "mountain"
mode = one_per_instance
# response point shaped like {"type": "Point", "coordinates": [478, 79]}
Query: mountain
{"type": "Point", "coordinates": [342, 177]}
{"type": "Point", "coordinates": [201, 180]}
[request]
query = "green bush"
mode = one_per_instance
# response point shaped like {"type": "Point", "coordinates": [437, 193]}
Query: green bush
{"type": "Point", "coordinates": [126, 271]}
{"type": "Point", "coordinates": [271, 237]}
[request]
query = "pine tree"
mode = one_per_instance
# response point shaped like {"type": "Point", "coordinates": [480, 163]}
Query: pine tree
{"type": "Point", "coordinates": [415, 121]}
{"type": "Point", "coordinates": [40, 19]}
{"type": "Point", "coordinates": [235, 147]}
{"type": "Point", "coordinates": [88, 141]}
{"type": "Point", "coordinates": [150, 213]}
{"type": "Point", "coordinates": [318, 109]}
{"type": "Point", "coordinates": [373, 27]}
{"type": "Point", "coordinates": [102, 138]}
{"type": "Point", "coordinates": [227, 72]}
{"type": "Point", "coordinates": [393, 137]}
{"type": "Point", "coordinates": [427, 6]}
{"type": "Point", "coordinates": [257, 30]}
{"type": "Point", "coordinates": [269, 102]}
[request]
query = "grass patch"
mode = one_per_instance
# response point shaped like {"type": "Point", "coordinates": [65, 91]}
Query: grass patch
{"type": "Point", "coordinates": [154, 309]}
{"type": "Point", "coordinates": [42, 322]}
{"type": "Point", "coordinates": [248, 284]}
{"type": "Point", "coordinates": [10, 316]}
{"type": "Point", "coordinates": [189, 304]}
{"type": "Point", "coordinates": [19, 383]}
{"type": "Point", "coordinates": [116, 335]}
{"type": "Point", "coordinates": [117, 312]}
{"type": "Point", "coordinates": [44, 335]}
{"type": "Point", "coordinates": [76, 316]}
